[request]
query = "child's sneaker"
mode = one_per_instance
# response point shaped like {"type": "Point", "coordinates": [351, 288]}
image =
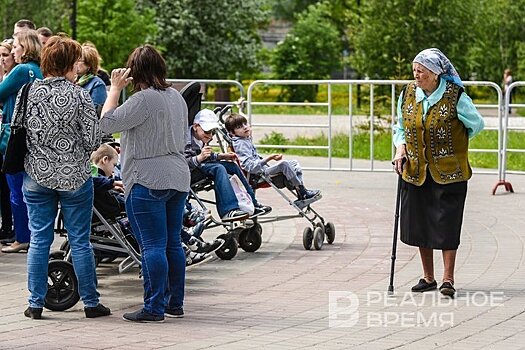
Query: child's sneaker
{"type": "Point", "coordinates": [261, 209]}
{"type": "Point", "coordinates": [199, 246]}
{"type": "Point", "coordinates": [235, 215]}
{"type": "Point", "coordinates": [193, 259]}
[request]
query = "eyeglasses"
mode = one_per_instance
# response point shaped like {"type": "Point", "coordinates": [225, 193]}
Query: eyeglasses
{"type": "Point", "coordinates": [8, 41]}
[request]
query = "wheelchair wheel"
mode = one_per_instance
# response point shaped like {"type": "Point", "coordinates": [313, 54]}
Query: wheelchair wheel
{"type": "Point", "coordinates": [329, 231]}
{"type": "Point", "coordinates": [62, 286]}
{"type": "Point", "coordinates": [229, 248]}
{"type": "Point", "coordinates": [318, 238]}
{"type": "Point", "coordinates": [308, 236]}
{"type": "Point", "coordinates": [250, 239]}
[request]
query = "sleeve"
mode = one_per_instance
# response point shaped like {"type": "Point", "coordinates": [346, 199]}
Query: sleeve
{"type": "Point", "coordinates": [252, 164]}
{"type": "Point", "coordinates": [127, 116]}
{"type": "Point", "coordinates": [102, 183]}
{"type": "Point", "coordinates": [469, 115]}
{"type": "Point", "coordinates": [398, 130]}
{"type": "Point", "coordinates": [99, 93]}
{"type": "Point", "coordinates": [89, 123]}
{"type": "Point", "coordinates": [13, 82]}
{"type": "Point", "coordinates": [191, 156]}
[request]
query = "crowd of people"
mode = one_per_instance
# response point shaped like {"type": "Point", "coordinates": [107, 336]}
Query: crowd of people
{"type": "Point", "coordinates": [71, 102]}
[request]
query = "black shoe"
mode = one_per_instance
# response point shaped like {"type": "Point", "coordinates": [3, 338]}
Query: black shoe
{"type": "Point", "coordinates": [447, 289]}
{"type": "Point", "coordinates": [235, 215]}
{"type": "Point", "coordinates": [424, 286]}
{"type": "Point", "coordinates": [33, 312]}
{"type": "Point", "coordinates": [143, 317]}
{"type": "Point", "coordinates": [261, 209]}
{"type": "Point", "coordinates": [174, 313]}
{"type": "Point", "coordinates": [6, 233]}
{"type": "Point", "coordinates": [198, 246]}
{"type": "Point", "coordinates": [97, 311]}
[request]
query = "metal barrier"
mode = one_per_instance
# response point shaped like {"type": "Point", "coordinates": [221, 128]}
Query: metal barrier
{"type": "Point", "coordinates": [230, 83]}
{"type": "Point", "coordinates": [372, 115]}
{"type": "Point", "coordinates": [506, 107]}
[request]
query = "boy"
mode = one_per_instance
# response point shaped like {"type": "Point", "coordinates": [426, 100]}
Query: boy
{"type": "Point", "coordinates": [253, 163]}
{"type": "Point", "coordinates": [204, 162]}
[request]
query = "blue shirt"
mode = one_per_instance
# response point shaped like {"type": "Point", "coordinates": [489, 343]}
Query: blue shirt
{"type": "Point", "coordinates": [9, 87]}
{"type": "Point", "coordinates": [97, 90]}
{"type": "Point", "coordinates": [467, 112]}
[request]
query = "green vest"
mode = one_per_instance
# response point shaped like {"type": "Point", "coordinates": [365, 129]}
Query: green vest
{"type": "Point", "coordinates": [439, 143]}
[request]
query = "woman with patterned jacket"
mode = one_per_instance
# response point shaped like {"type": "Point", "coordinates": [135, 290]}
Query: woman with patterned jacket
{"type": "Point", "coordinates": [62, 131]}
{"type": "Point", "coordinates": [436, 120]}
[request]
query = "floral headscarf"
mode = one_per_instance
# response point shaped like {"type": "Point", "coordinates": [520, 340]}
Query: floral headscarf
{"type": "Point", "coordinates": [435, 61]}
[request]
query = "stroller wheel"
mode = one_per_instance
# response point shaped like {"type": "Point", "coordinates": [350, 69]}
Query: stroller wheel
{"type": "Point", "coordinates": [62, 286]}
{"type": "Point", "coordinates": [329, 231]}
{"type": "Point", "coordinates": [308, 236]}
{"type": "Point", "coordinates": [250, 240]}
{"type": "Point", "coordinates": [318, 238]}
{"type": "Point", "coordinates": [57, 255]}
{"type": "Point", "coordinates": [229, 248]}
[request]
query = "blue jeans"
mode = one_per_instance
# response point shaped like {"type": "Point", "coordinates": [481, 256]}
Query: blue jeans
{"type": "Point", "coordinates": [224, 195]}
{"type": "Point", "coordinates": [18, 206]}
{"type": "Point", "coordinates": [77, 208]}
{"type": "Point", "coordinates": [156, 219]}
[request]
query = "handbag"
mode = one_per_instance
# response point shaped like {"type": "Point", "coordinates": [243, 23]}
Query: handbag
{"type": "Point", "coordinates": [244, 199]}
{"type": "Point", "coordinates": [5, 131]}
{"type": "Point", "coordinates": [16, 150]}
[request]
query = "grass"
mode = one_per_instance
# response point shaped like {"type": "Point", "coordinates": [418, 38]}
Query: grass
{"type": "Point", "coordinates": [383, 147]}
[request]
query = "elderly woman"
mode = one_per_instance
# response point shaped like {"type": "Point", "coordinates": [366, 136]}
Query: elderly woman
{"type": "Point", "coordinates": [26, 53]}
{"type": "Point", "coordinates": [87, 68]}
{"type": "Point", "coordinates": [154, 126]}
{"type": "Point", "coordinates": [436, 120]}
{"type": "Point", "coordinates": [62, 131]}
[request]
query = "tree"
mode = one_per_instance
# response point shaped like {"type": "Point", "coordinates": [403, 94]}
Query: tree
{"type": "Point", "coordinates": [115, 27]}
{"type": "Point", "coordinates": [213, 39]}
{"type": "Point", "coordinates": [312, 50]}
{"type": "Point", "coordinates": [387, 35]}
{"type": "Point", "coordinates": [500, 42]}
{"type": "Point", "coordinates": [288, 9]}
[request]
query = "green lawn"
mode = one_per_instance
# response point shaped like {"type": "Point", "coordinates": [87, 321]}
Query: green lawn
{"type": "Point", "coordinates": [383, 147]}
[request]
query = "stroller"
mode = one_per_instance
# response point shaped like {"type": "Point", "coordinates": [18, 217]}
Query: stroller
{"type": "Point", "coordinates": [246, 234]}
{"type": "Point", "coordinates": [315, 234]}
{"type": "Point", "coordinates": [111, 238]}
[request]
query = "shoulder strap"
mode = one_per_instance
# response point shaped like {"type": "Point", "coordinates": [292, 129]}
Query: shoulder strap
{"type": "Point", "coordinates": [21, 112]}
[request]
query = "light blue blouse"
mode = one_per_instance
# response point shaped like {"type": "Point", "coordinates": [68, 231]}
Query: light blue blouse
{"type": "Point", "coordinates": [467, 112]}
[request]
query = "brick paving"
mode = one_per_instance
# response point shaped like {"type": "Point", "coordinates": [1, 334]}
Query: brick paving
{"type": "Point", "coordinates": [278, 297]}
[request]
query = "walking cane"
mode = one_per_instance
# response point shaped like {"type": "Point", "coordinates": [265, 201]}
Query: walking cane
{"type": "Point", "coordinates": [396, 226]}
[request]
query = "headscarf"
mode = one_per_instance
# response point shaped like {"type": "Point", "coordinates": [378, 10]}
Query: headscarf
{"type": "Point", "coordinates": [435, 61]}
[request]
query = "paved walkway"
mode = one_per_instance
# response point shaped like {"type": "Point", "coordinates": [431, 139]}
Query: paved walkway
{"type": "Point", "coordinates": [278, 297]}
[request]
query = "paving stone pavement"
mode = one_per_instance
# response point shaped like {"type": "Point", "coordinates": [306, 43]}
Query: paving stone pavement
{"type": "Point", "coordinates": [279, 297]}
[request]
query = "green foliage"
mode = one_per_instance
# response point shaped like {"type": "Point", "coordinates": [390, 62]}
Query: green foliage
{"type": "Point", "coordinates": [115, 27]}
{"type": "Point", "coordinates": [499, 40]}
{"type": "Point", "coordinates": [385, 35]}
{"type": "Point", "coordinates": [311, 50]}
{"type": "Point", "coordinates": [383, 147]}
{"type": "Point", "coordinates": [212, 39]}
{"type": "Point", "coordinates": [43, 13]}
{"type": "Point", "coordinates": [288, 9]}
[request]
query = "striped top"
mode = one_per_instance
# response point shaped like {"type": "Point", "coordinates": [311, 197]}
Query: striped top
{"type": "Point", "coordinates": [154, 126]}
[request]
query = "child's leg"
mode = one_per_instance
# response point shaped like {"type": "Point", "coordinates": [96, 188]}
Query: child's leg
{"type": "Point", "coordinates": [232, 169]}
{"type": "Point", "coordinates": [224, 195]}
{"type": "Point", "coordinates": [288, 171]}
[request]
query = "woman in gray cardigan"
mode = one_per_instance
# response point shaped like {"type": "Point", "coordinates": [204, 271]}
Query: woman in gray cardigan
{"type": "Point", "coordinates": [154, 124]}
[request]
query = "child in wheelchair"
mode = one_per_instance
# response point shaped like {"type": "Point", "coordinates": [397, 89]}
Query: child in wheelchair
{"type": "Point", "coordinates": [204, 163]}
{"type": "Point", "coordinates": [240, 132]}
{"type": "Point", "coordinates": [109, 201]}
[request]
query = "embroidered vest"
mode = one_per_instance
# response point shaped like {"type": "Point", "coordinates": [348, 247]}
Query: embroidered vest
{"type": "Point", "coordinates": [439, 143]}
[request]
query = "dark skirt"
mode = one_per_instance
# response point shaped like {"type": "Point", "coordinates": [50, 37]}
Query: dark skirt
{"type": "Point", "coordinates": [432, 214]}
